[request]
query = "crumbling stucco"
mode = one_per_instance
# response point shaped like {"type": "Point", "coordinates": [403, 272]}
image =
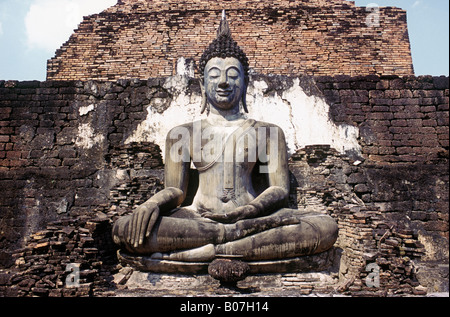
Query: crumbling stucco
{"type": "Point", "coordinates": [304, 118]}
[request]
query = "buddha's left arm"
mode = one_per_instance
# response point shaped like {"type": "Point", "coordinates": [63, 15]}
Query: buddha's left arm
{"type": "Point", "coordinates": [276, 195]}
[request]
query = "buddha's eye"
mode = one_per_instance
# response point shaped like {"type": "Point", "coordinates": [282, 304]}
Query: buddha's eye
{"type": "Point", "coordinates": [233, 73]}
{"type": "Point", "coordinates": [214, 73]}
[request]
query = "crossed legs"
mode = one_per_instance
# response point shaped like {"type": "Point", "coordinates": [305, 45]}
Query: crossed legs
{"type": "Point", "coordinates": [284, 234]}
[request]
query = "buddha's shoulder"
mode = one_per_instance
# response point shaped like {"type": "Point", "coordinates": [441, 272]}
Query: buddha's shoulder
{"type": "Point", "coordinates": [200, 124]}
{"type": "Point", "coordinates": [263, 124]}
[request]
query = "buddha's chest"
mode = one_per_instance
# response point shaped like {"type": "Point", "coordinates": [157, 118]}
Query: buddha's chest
{"type": "Point", "coordinates": [223, 146]}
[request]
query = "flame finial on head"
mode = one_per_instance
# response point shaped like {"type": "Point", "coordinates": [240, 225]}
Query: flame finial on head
{"type": "Point", "coordinates": [224, 28]}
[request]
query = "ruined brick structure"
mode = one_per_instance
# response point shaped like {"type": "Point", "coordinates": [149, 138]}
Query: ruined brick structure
{"type": "Point", "coordinates": [143, 39]}
{"type": "Point", "coordinates": [84, 147]}
{"type": "Point", "coordinates": [67, 171]}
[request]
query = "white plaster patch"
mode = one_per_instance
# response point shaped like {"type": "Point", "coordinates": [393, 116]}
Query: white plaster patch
{"type": "Point", "coordinates": [86, 137]}
{"type": "Point", "coordinates": [184, 68]}
{"type": "Point", "coordinates": [304, 119]}
{"type": "Point", "coordinates": [183, 109]}
{"type": "Point", "coordinates": [85, 110]}
{"type": "Point", "coordinates": [122, 175]}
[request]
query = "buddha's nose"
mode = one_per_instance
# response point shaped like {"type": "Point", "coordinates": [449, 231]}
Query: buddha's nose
{"type": "Point", "coordinates": [224, 84]}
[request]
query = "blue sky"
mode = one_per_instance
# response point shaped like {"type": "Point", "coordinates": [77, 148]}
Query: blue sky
{"type": "Point", "coordinates": [32, 30]}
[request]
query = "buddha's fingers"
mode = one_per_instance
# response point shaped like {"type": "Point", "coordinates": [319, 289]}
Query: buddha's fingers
{"type": "Point", "coordinates": [154, 217]}
{"type": "Point", "coordinates": [142, 227]}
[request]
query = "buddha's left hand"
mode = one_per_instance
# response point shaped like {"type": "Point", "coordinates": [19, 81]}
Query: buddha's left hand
{"type": "Point", "coordinates": [243, 212]}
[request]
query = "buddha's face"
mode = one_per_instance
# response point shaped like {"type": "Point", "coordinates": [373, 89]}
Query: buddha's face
{"type": "Point", "coordinates": [224, 82]}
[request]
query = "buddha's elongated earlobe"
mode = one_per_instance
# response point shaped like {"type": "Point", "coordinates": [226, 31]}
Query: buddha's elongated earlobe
{"type": "Point", "coordinates": [244, 105]}
{"type": "Point", "coordinates": [204, 99]}
{"type": "Point", "coordinates": [244, 100]}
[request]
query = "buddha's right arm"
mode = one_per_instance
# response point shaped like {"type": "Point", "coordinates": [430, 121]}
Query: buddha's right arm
{"type": "Point", "coordinates": [176, 170]}
{"type": "Point", "coordinates": [167, 199]}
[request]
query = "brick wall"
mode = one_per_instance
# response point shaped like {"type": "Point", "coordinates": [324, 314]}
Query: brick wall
{"type": "Point", "coordinates": [143, 39]}
{"type": "Point", "coordinates": [63, 155]}
{"type": "Point", "coordinates": [48, 168]}
{"type": "Point", "coordinates": [400, 119]}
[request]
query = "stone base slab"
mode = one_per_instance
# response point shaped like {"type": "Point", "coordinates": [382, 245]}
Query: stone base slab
{"type": "Point", "coordinates": [143, 276]}
{"type": "Point", "coordinates": [174, 285]}
{"type": "Point", "coordinates": [312, 263]}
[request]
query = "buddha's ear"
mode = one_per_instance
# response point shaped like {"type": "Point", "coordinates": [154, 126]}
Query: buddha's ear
{"type": "Point", "coordinates": [244, 99]}
{"type": "Point", "coordinates": [204, 99]}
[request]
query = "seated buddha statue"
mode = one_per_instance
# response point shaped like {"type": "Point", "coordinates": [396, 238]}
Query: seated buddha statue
{"type": "Point", "coordinates": [231, 214]}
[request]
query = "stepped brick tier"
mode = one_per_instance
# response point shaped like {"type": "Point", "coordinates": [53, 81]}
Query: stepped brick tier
{"type": "Point", "coordinates": [143, 39]}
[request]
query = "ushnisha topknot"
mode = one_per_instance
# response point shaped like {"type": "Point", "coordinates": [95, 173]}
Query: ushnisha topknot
{"type": "Point", "coordinates": [224, 46]}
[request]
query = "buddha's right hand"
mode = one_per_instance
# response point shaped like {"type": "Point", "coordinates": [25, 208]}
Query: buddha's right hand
{"type": "Point", "coordinates": [141, 223]}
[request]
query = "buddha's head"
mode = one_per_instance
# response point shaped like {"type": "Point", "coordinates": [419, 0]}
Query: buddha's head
{"type": "Point", "coordinates": [224, 72]}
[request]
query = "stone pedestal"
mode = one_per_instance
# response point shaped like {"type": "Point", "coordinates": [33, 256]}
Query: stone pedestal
{"type": "Point", "coordinates": [274, 285]}
{"type": "Point", "coordinates": [312, 263]}
{"type": "Point", "coordinates": [143, 276]}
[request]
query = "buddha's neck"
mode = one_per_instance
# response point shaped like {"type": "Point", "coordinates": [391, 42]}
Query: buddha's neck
{"type": "Point", "coordinates": [225, 117]}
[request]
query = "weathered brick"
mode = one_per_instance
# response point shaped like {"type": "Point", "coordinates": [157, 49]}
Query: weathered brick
{"type": "Point", "coordinates": [381, 101]}
{"type": "Point", "coordinates": [67, 153]}
{"type": "Point", "coordinates": [255, 27]}
{"type": "Point", "coordinates": [380, 116]}
{"type": "Point", "coordinates": [381, 109]}
{"type": "Point", "coordinates": [13, 155]}
{"type": "Point", "coordinates": [444, 142]}
{"type": "Point", "coordinates": [443, 118]}
{"type": "Point", "coordinates": [6, 130]}
{"type": "Point", "coordinates": [386, 150]}
{"type": "Point", "coordinates": [429, 123]}
{"type": "Point", "coordinates": [428, 109]}
{"type": "Point", "coordinates": [415, 122]}
{"type": "Point", "coordinates": [404, 150]}
{"type": "Point", "coordinates": [397, 84]}
{"type": "Point", "coordinates": [383, 84]}
{"type": "Point", "coordinates": [376, 94]}
{"type": "Point", "coordinates": [399, 123]}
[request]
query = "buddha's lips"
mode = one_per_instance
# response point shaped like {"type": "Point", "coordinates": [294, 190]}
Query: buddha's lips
{"type": "Point", "coordinates": [224, 93]}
